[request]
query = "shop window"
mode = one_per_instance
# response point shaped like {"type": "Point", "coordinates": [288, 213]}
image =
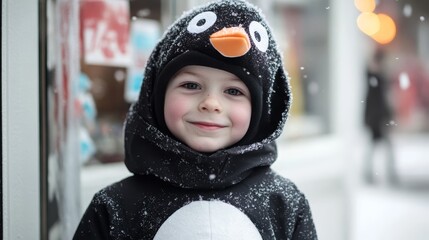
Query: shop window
{"type": "Point", "coordinates": [302, 30]}
{"type": "Point", "coordinates": [116, 38]}
{"type": "Point", "coordinates": [93, 54]}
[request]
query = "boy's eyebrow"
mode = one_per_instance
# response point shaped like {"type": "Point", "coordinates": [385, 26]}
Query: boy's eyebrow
{"type": "Point", "coordinates": [235, 78]}
{"type": "Point", "coordinates": [196, 74]}
{"type": "Point", "coordinates": [185, 71]}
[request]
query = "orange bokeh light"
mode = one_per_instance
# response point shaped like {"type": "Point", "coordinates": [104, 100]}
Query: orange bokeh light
{"type": "Point", "coordinates": [387, 30]}
{"type": "Point", "coordinates": [365, 5]}
{"type": "Point", "coordinates": [368, 23]}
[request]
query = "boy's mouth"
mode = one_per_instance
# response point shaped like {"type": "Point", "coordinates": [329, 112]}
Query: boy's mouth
{"type": "Point", "coordinates": [207, 125]}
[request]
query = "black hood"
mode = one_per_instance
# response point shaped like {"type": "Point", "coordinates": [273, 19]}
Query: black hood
{"type": "Point", "coordinates": [150, 148]}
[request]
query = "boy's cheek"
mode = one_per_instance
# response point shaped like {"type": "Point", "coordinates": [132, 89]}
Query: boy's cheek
{"type": "Point", "coordinates": [241, 116]}
{"type": "Point", "coordinates": [174, 109]}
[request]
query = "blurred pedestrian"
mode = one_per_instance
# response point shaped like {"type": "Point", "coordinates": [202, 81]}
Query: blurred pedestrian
{"type": "Point", "coordinates": [378, 117]}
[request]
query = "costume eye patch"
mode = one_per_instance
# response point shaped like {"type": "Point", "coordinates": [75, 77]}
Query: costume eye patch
{"type": "Point", "coordinates": [259, 35]}
{"type": "Point", "coordinates": [202, 22]}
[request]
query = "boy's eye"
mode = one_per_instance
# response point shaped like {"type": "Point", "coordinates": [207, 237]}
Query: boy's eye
{"type": "Point", "coordinates": [191, 86]}
{"type": "Point", "coordinates": [233, 91]}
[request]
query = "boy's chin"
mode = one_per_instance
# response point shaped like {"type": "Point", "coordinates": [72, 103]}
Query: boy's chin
{"type": "Point", "coordinates": [207, 146]}
{"type": "Point", "coordinates": [205, 149]}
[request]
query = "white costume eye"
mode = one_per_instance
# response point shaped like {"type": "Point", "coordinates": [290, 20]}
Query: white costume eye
{"type": "Point", "coordinates": [202, 22]}
{"type": "Point", "coordinates": [259, 35]}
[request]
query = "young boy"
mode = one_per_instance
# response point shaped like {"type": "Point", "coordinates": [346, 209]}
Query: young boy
{"type": "Point", "coordinates": [201, 138]}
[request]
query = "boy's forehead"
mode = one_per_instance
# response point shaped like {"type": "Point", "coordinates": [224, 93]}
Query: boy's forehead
{"type": "Point", "coordinates": [202, 71]}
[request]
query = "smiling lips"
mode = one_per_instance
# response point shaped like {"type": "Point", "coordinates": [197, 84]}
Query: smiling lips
{"type": "Point", "coordinates": [207, 125]}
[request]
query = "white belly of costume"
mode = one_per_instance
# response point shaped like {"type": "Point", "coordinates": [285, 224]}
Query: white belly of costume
{"type": "Point", "coordinates": [208, 220]}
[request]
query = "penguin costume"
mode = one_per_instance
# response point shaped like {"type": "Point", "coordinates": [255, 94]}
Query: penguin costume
{"type": "Point", "coordinates": [177, 193]}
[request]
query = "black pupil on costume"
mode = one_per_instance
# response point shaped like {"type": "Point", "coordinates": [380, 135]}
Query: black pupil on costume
{"type": "Point", "coordinates": [257, 36]}
{"type": "Point", "coordinates": [201, 22]}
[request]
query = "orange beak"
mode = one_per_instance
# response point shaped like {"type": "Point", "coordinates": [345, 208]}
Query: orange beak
{"type": "Point", "coordinates": [231, 42]}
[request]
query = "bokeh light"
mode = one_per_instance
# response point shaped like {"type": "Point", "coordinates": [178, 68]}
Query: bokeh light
{"type": "Point", "coordinates": [380, 27]}
{"type": "Point", "coordinates": [387, 30]}
{"type": "Point", "coordinates": [368, 23]}
{"type": "Point", "coordinates": [365, 5]}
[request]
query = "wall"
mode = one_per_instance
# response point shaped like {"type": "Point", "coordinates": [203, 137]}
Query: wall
{"type": "Point", "coordinates": [20, 120]}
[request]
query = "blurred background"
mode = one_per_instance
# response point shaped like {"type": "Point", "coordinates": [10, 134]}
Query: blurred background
{"type": "Point", "coordinates": [356, 142]}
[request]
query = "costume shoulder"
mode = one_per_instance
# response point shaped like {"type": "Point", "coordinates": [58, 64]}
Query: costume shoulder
{"type": "Point", "coordinates": [293, 206]}
{"type": "Point", "coordinates": [96, 221]}
{"type": "Point", "coordinates": [103, 217]}
{"type": "Point", "coordinates": [130, 207]}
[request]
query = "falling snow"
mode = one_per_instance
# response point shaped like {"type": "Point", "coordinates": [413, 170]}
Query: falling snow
{"type": "Point", "coordinates": [391, 123]}
{"type": "Point", "coordinates": [212, 176]}
{"type": "Point", "coordinates": [407, 10]}
{"type": "Point", "coordinates": [373, 82]}
{"type": "Point", "coordinates": [404, 81]}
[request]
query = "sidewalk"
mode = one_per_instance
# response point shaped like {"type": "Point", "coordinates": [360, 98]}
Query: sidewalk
{"type": "Point", "coordinates": [395, 212]}
{"type": "Point", "coordinates": [381, 213]}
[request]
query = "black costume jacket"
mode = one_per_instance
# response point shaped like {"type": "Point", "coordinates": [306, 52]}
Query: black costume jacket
{"type": "Point", "coordinates": [177, 193]}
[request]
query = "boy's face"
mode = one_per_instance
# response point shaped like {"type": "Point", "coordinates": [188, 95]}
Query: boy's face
{"type": "Point", "coordinates": [207, 108]}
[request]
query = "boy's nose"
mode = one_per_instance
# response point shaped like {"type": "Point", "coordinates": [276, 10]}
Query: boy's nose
{"type": "Point", "coordinates": [210, 104]}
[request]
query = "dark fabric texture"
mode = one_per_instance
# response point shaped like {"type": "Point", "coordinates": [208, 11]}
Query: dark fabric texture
{"type": "Point", "coordinates": [169, 175]}
{"type": "Point", "coordinates": [136, 207]}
